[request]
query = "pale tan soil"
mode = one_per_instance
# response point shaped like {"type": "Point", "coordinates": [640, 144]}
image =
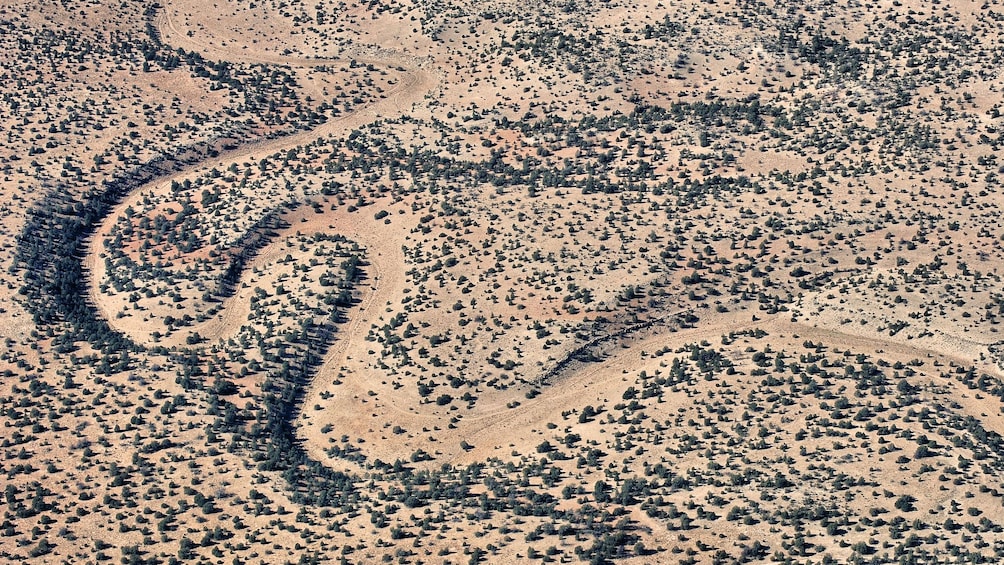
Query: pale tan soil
{"type": "Point", "coordinates": [851, 293]}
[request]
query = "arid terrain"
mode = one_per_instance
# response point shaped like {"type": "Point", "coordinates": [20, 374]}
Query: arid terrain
{"type": "Point", "coordinates": [678, 281]}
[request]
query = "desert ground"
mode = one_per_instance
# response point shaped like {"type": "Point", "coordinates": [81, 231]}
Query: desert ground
{"type": "Point", "coordinates": [680, 281]}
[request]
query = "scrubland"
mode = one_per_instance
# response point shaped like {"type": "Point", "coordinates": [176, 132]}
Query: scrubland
{"type": "Point", "coordinates": [641, 282]}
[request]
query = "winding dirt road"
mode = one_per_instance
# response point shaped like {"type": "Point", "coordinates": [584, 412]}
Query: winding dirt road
{"type": "Point", "coordinates": [383, 250]}
{"type": "Point", "coordinates": [386, 275]}
{"type": "Point", "coordinates": [413, 83]}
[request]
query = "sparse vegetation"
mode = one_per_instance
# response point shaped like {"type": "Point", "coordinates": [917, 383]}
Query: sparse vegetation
{"type": "Point", "coordinates": [442, 282]}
